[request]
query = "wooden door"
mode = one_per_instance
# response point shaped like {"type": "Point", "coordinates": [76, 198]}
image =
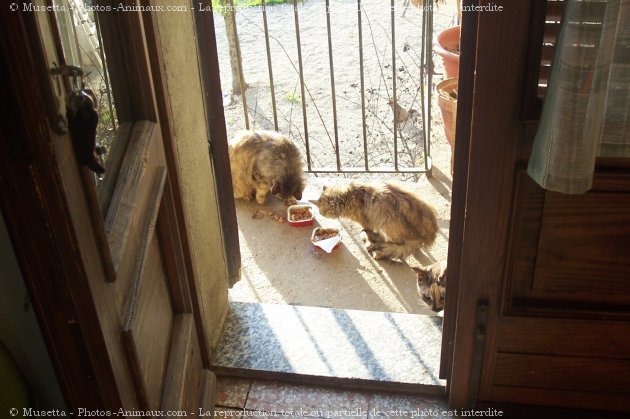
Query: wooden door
{"type": "Point", "coordinates": [541, 284]}
{"type": "Point", "coordinates": [106, 262]}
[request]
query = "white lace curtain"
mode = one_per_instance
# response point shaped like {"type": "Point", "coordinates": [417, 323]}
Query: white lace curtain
{"type": "Point", "coordinates": [586, 113]}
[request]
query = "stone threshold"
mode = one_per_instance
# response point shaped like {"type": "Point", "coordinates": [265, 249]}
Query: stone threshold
{"type": "Point", "coordinates": [328, 346]}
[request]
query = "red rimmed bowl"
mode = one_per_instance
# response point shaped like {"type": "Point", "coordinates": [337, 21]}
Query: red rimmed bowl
{"type": "Point", "coordinates": [300, 215]}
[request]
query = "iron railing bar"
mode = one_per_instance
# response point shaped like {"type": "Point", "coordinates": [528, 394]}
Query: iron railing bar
{"type": "Point", "coordinates": [273, 91]}
{"type": "Point", "coordinates": [428, 163]}
{"type": "Point", "coordinates": [423, 67]}
{"type": "Point", "coordinates": [332, 86]}
{"type": "Point", "coordinates": [241, 77]}
{"type": "Point", "coordinates": [394, 100]}
{"type": "Point", "coordinates": [299, 51]}
{"type": "Point", "coordinates": [423, 62]}
{"type": "Point", "coordinates": [363, 122]}
{"type": "Point", "coordinates": [355, 170]}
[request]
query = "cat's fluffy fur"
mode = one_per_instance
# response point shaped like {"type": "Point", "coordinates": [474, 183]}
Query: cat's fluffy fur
{"type": "Point", "coordinates": [431, 281]}
{"type": "Point", "coordinates": [263, 162]}
{"type": "Point", "coordinates": [395, 221]}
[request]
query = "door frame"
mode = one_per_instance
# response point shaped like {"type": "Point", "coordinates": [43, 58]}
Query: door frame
{"type": "Point", "coordinates": [493, 138]}
{"type": "Point", "coordinates": [465, 93]}
{"type": "Point", "coordinates": [36, 208]}
{"type": "Point", "coordinates": [56, 241]}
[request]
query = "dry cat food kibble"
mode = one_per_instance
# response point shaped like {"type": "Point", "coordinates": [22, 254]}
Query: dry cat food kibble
{"type": "Point", "coordinates": [301, 214]}
{"type": "Point", "coordinates": [261, 214]}
{"type": "Point", "coordinates": [325, 233]}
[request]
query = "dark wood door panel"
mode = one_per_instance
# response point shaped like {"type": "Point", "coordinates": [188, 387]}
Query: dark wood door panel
{"type": "Point", "coordinates": [569, 253]}
{"type": "Point", "coordinates": [597, 401]}
{"type": "Point", "coordinates": [563, 373]}
{"type": "Point", "coordinates": [563, 337]}
{"type": "Point", "coordinates": [584, 244]}
{"type": "Point", "coordinates": [566, 337]}
{"type": "Point", "coordinates": [550, 270]}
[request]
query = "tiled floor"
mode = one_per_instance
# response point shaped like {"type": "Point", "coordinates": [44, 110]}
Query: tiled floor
{"type": "Point", "coordinates": [240, 398]}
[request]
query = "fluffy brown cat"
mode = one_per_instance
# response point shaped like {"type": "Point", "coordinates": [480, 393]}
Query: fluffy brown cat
{"type": "Point", "coordinates": [395, 221]}
{"type": "Point", "coordinates": [432, 284]}
{"type": "Point", "coordinates": [263, 162]}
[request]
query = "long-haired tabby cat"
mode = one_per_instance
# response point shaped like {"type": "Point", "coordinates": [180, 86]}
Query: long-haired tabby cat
{"type": "Point", "coordinates": [432, 284]}
{"type": "Point", "coordinates": [263, 162]}
{"type": "Point", "coordinates": [395, 221]}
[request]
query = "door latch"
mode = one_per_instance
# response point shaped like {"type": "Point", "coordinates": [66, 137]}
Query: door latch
{"type": "Point", "coordinates": [82, 118]}
{"type": "Point", "coordinates": [481, 320]}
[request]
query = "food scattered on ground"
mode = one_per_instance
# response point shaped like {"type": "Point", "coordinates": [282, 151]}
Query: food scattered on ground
{"type": "Point", "coordinates": [300, 214]}
{"type": "Point", "coordinates": [261, 214]}
{"type": "Point", "coordinates": [325, 233]}
{"type": "Point", "coordinates": [291, 201]}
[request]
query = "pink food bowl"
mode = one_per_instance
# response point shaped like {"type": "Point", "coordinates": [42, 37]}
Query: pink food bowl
{"type": "Point", "coordinates": [300, 215]}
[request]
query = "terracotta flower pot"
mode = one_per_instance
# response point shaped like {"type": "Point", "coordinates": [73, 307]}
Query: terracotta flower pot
{"type": "Point", "coordinates": [447, 47]}
{"type": "Point", "coordinates": [447, 101]}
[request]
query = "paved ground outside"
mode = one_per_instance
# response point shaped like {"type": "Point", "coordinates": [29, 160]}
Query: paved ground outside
{"type": "Point", "coordinates": [279, 263]}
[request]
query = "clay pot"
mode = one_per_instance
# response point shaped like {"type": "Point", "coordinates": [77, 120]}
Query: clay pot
{"type": "Point", "coordinates": [446, 42]}
{"type": "Point", "coordinates": [447, 101]}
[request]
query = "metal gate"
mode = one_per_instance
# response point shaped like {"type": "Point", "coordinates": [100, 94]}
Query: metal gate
{"type": "Point", "coordinates": [392, 137]}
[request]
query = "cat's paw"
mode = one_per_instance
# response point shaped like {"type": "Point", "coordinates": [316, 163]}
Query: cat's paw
{"type": "Point", "coordinates": [260, 198]}
{"type": "Point", "coordinates": [370, 236]}
{"type": "Point", "coordinates": [372, 247]}
{"type": "Point", "coordinates": [247, 196]}
{"type": "Point", "coordinates": [379, 255]}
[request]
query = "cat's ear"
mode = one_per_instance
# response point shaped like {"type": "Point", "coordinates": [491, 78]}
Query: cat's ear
{"type": "Point", "coordinates": [421, 273]}
{"type": "Point", "coordinates": [324, 188]}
